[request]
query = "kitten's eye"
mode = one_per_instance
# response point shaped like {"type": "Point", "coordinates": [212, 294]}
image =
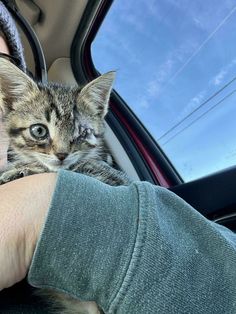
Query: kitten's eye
{"type": "Point", "coordinates": [39, 131]}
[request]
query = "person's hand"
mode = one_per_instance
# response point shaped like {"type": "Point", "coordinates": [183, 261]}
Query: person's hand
{"type": "Point", "coordinates": [3, 44]}
{"type": "Point", "coordinates": [23, 208]}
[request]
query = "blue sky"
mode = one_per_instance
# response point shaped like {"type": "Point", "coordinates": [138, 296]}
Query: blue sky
{"type": "Point", "coordinates": [171, 56]}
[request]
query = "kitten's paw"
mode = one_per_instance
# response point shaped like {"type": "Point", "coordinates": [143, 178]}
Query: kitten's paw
{"type": "Point", "coordinates": [11, 175]}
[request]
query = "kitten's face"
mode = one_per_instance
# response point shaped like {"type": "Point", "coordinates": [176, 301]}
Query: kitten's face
{"type": "Point", "coordinates": [53, 125]}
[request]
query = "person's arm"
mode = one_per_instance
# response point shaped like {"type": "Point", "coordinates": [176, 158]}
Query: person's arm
{"type": "Point", "coordinates": [136, 249]}
{"type": "Point", "coordinates": [23, 206]}
{"type": "Point", "coordinates": [3, 45]}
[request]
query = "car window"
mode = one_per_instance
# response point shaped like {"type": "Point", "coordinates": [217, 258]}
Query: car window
{"type": "Point", "coordinates": [176, 69]}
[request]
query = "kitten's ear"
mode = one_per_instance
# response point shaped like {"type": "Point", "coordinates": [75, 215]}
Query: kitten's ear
{"type": "Point", "coordinates": [94, 97]}
{"type": "Point", "coordinates": [14, 85]}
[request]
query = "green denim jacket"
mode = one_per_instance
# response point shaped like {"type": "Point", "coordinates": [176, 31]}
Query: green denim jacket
{"type": "Point", "coordinates": [136, 249]}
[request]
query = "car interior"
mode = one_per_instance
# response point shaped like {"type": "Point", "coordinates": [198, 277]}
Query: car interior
{"type": "Point", "coordinates": [65, 30]}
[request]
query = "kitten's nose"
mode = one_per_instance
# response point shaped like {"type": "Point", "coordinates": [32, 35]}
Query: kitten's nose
{"type": "Point", "coordinates": [61, 156]}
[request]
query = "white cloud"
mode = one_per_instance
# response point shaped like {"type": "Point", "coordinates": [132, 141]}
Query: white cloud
{"type": "Point", "coordinates": [153, 8]}
{"type": "Point", "coordinates": [194, 102]}
{"type": "Point", "coordinates": [153, 88]}
{"type": "Point", "coordinates": [127, 50]}
{"type": "Point", "coordinates": [219, 77]}
{"type": "Point", "coordinates": [144, 103]}
{"type": "Point", "coordinates": [133, 19]}
{"type": "Point", "coordinates": [158, 80]}
{"type": "Point", "coordinates": [201, 13]}
{"type": "Point", "coordinates": [167, 69]}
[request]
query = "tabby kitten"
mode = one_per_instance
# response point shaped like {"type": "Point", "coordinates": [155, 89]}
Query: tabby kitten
{"type": "Point", "coordinates": [52, 127]}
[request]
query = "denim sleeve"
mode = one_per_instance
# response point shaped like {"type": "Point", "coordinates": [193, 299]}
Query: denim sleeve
{"type": "Point", "coordinates": [136, 249]}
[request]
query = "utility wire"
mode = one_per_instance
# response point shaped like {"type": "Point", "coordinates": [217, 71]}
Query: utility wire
{"type": "Point", "coordinates": [198, 118]}
{"type": "Point", "coordinates": [203, 44]}
{"type": "Point", "coordinates": [196, 109]}
{"type": "Point", "coordinates": [187, 62]}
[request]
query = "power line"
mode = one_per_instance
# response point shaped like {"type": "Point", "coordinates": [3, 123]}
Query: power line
{"type": "Point", "coordinates": [203, 44]}
{"type": "Point", "coordinates": [196, 109]}
{"type": "Point", "coordinates": [198, 118]}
